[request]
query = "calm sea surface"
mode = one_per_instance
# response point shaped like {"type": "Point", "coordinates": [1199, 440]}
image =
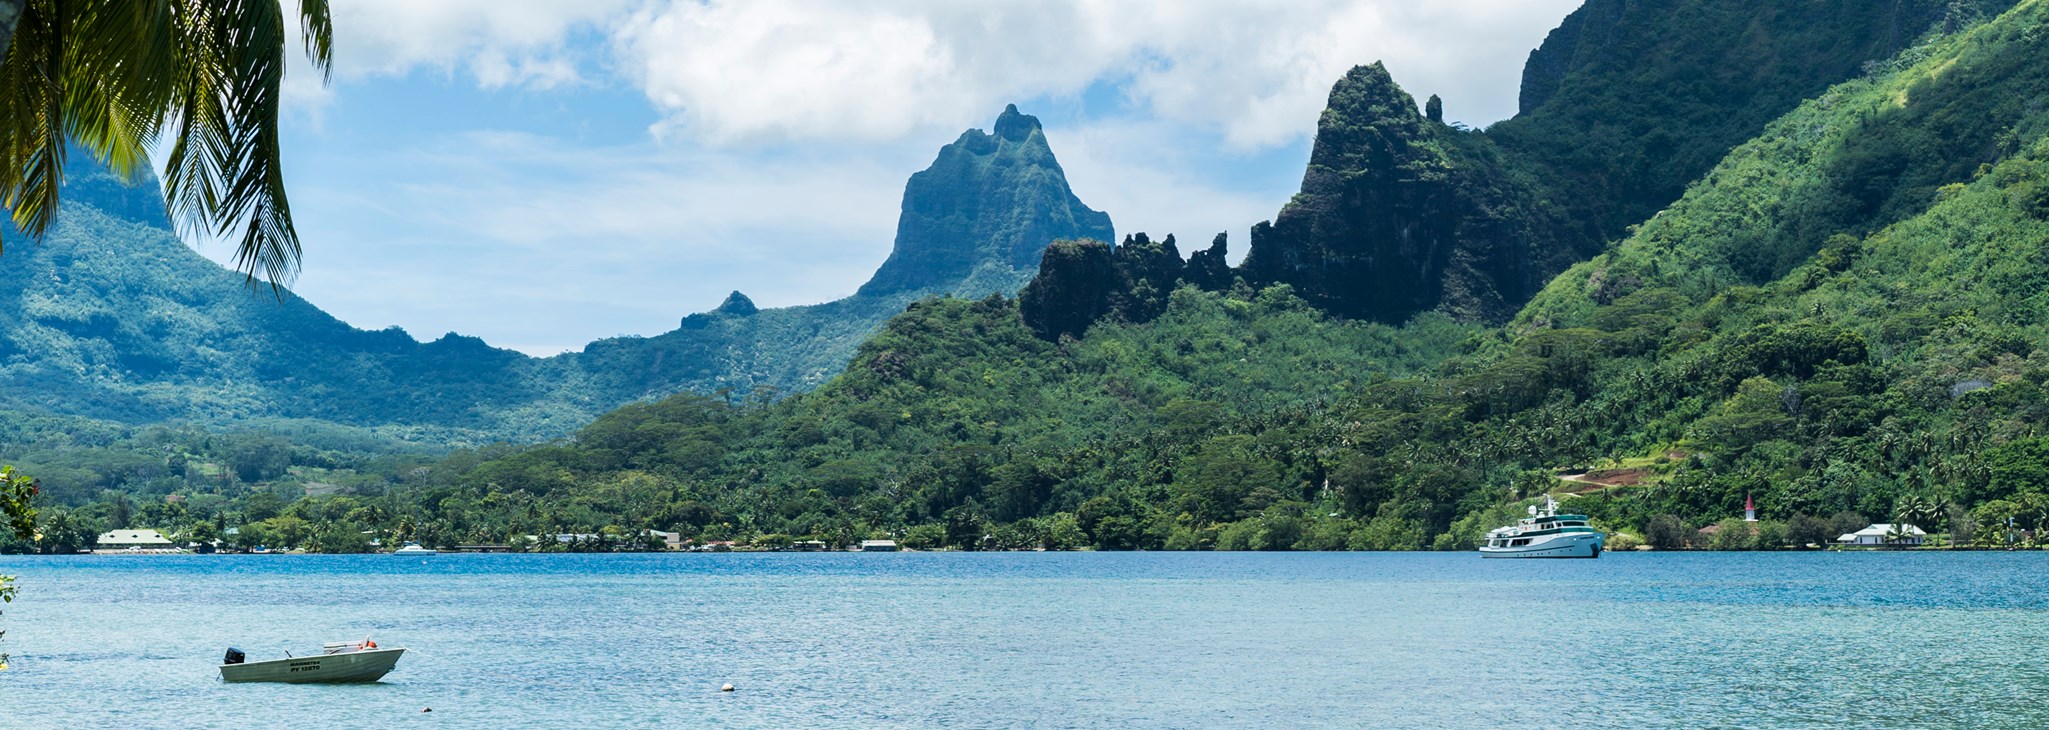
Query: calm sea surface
{"type": "Point", "coordinates": [1043, 640]}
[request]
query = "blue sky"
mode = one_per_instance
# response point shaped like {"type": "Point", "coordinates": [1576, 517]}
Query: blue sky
{"type": "Point", "coordinates": [542, 173]}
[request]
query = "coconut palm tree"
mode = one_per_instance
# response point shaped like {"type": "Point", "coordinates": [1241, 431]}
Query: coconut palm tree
{"type": "Point", "coordinates": [115, 77]}
{"type": "Point", "coordinates": [1931, 514]}
{"type": "Point", "coordinates": [1897, 534]}
{"type": "Point", "coordinates": [1914, 509]}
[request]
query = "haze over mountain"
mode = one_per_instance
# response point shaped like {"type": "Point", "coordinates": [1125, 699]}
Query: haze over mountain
{"type": "Point", "coordinates": [114, 318]}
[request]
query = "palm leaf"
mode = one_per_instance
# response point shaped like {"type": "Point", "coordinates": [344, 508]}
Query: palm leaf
{"type": "Point", "coordinates": [318, 30]}
{"type": "Point", "coordinates": [114, 76]}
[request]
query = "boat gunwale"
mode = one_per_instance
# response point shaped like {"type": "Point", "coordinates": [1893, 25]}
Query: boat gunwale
{"type": "Point", "coordinates": [368, 658]}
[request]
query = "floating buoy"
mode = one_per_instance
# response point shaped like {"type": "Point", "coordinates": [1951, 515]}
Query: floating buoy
{"type": "Point", "coordinates": [727, 688]}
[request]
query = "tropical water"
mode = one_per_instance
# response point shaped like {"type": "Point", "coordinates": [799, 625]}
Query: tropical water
{"type": "Point", "coordinates": [1042, 640]}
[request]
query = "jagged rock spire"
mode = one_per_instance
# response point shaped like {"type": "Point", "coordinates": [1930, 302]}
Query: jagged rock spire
{"type": "Point", "coordinates": [988, 199]}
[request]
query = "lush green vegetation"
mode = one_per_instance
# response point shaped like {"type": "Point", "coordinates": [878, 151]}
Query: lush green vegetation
{"type": "Point", "coordinates": [1840, 319]}
{"type": "Point", "coordinates": [1629, 102]}
{"type": "Point", "coordinates": [955, 417]}
{"type": "Point", "coordinates": [1847, 313]}
{"type": "Point", "coordinates": [1843, 319]}
{"type": "Point", "coordinates": [1623, 106]}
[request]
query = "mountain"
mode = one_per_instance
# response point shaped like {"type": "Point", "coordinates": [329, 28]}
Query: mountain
{"type": "Point", "coordinates": [1628, 102]}
{"type": "Point", "coordinates": [1401, 214]}
{"type": "Point", "coordinates": [113, 318]}
{"type": "Point", "coordinates": [991, 200]}
{"type": "Point", "coordinates": [1841, 318]}
{"type": "Point", "coordinates": [1624, 104]}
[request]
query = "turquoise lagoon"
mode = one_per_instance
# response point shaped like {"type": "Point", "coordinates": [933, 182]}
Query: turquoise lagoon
{"type": "Point", "coordinates": [1043, 640]}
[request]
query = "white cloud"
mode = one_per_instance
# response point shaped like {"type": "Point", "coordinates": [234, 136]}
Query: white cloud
{"type": "Point", "coordinates": [497, 42]}
{"type": "Point", "coordinates": [770, 70]}
{"type": "Point", "coordinates": [804, 69]}
{"type": "Point", "coordinates": [776, 70]}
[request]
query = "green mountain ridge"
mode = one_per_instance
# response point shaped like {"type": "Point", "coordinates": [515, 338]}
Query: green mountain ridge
{"type": "Point", "coordinates": [115, 319]}
{"type": "Point", "coordinates": [1842, 318]}
{"type": "Point", "coordinates": [1623, 105]}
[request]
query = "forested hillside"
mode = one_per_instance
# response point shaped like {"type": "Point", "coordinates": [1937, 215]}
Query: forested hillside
{"type": "Point", "coordinates": [1624, 104]}
{"type": "Point", "coordinates": [1842, 316]}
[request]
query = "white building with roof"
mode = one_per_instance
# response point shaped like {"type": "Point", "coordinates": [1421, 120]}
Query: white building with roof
{"type": "Point", "coordinates": [1877, 534]}
{"type": "Point", "coordinates": [124, 539]}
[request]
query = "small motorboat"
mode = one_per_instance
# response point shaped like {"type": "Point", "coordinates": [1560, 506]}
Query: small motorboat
{"type": "Point", "coordinates": [347, 661]}
{"type": "Point", "coordinates": [413, 548]}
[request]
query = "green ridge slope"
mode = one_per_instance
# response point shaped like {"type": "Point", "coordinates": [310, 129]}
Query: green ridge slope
{"type": "Point", "coordinates": [1841, 318]}
{"type": "Point", "coordinates": [1624, 104]}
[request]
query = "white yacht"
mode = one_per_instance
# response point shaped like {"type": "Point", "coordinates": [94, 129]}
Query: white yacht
{"type": "Point", "coordinates": [1545, 534]}
{"type": "Point", "coordinates": [413, 548]}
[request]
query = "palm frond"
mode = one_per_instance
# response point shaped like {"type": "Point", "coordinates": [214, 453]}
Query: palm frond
{"type": "Point", "coordinates": [31, 119]}
{"type": "Point", "coordinates": [116, 54]}
{"type": "Point", "coordinates": [114, 76]}
{"type": "Point", "coordinates": [224, 174]}
{"type": "Point", "coordinates": [318, 30]}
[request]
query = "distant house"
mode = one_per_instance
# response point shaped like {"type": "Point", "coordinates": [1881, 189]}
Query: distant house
{"type": "Point", "coordinates": [808, 546]}
{"type": "Point", "coordinates": [878, 546]}
{"type": "Point", "coordinates": [125, 539]}
{"type": "Point", "coordinates": [670, 540]}
{"type": "Point", "coordinates": [1876, 535]}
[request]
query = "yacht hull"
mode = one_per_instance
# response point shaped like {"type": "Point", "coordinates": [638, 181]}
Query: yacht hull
{"type": "Point", "coordinates": [1569, 545]}
{"type": "Point", "coordinates": [357, 666]}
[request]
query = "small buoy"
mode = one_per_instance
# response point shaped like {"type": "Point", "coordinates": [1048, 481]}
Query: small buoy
{"type": "Point", "coordinates": [727, 688]}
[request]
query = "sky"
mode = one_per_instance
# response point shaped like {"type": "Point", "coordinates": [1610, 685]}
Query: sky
{"type": "Point", "coordinates": [542, 173]}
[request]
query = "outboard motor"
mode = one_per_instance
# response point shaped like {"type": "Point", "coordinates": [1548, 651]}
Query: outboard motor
{"type": "Point", "coordinates": [234, 656]}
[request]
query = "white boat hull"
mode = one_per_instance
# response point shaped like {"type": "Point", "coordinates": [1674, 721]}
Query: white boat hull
{"type": "Point", "coordinates": [1564, 545]}
{"type": "Point", "coordinates": [355, 666]}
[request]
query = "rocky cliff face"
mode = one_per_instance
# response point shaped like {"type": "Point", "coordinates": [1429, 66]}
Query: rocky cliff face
{"type": "Point", "coordinates": [1625, 103]}
{"type": "Point", "coordinates": [1581, 40]}
{"type": "Point", "coordinates": [1071, 291]}
{"type": "Point", "coordinates": [1208, 269]}
{"type": "Point", "coordinates": [1628, 101]}
{"type": "Point", "coordinates": [1080, 282]}
{"type": "Point", "coordinates": [989, 198]}
{"type": "Point", "coordinates": [1399, 214]}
